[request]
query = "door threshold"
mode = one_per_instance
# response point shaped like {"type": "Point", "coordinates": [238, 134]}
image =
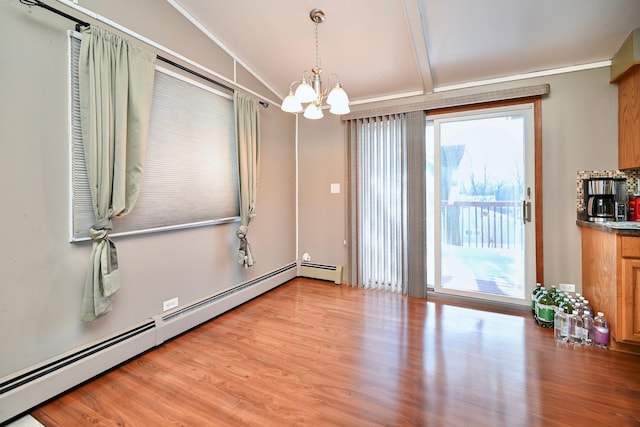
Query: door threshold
{"type": "Point", "coordinates": [478, 304]}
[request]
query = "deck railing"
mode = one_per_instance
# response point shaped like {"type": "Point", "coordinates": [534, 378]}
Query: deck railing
{"type": "Point", "coordinates": [483, 224]}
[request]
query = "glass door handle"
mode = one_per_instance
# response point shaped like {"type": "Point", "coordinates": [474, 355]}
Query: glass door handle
{"type": "Point", "coordinates": [526, 211]}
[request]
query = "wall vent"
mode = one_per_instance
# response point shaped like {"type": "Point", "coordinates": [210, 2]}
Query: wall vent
{"type": "Point", "coordinates": [331, 273]}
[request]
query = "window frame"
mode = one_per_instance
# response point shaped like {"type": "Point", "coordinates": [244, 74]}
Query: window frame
{"type": "Point", "coordinates": [536, 100]}
{"type": "Point", "coordinates": [80, 198]}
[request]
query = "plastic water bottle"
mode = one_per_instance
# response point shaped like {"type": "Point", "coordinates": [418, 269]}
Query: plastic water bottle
{"type": "Point", "coordinates": [545, 310]}
{"type": "Point", "coordinates": [587, 328]}
{"type": "Point", "coordinates": [561, 325]}
{"type": "Point", "coordinates": [534, 297]}
{"type": "Point", "coordinates": [601, 331]}
{"type": "Point", "coordinates": [577, 306]}
{"type": "Point", "coordinates": [587, 306]}
{"type": "Point", "coordinates": [575, 328]}
{"type": "Point", "coordinates": [566, 305]}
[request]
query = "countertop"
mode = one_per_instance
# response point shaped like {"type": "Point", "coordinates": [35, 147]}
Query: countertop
{"type": "Point", "coordinates": [624, 228]}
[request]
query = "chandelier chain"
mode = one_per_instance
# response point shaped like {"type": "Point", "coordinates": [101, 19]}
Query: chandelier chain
{"type": "Point", "coordinates": [317, 48]}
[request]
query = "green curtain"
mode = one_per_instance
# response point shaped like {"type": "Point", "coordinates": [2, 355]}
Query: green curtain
{"type": "Point", "coordinates": [116, 88]}
{"type": "Point", "coordinates": [247, 118]}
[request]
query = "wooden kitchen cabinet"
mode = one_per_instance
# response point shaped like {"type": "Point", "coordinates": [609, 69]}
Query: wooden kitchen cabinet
{"type": "Point", "coordinates": [611, 282]}
{"type": "Point", "coordinates": [629, 119]}
{"type": "Point", "coordinates": [629, 295]}
{"type": "Point", "coordinates": [625, 71]}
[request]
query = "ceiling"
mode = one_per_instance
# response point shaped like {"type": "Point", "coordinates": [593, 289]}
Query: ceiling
{"type": "Point", "coordinates": [382, 49]}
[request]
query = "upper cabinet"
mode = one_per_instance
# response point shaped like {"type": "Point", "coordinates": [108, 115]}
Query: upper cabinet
{"type": "Point", "coordinates": [625, 71]}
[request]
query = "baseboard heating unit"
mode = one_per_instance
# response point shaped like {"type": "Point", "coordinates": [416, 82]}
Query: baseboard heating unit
{"type": "Point", "coordinates": [22, 391]}
{"type": "Point", "coordinates": [331, 273]}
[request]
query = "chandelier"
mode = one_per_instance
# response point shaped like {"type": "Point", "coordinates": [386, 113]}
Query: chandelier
{"type": "Point", "coordinates": [310, 89]}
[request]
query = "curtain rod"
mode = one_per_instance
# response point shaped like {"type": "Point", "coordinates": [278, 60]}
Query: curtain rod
{"type": "Point", "coordinates": [80, 23]}
{"type": "Point", "coordinates": [38, 3]}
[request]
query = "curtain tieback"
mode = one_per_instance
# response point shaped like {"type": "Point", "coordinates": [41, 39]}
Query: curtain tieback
{"type": "Point", "coordinates": [245, 258]}
{"type": "Point", "coordinates": [109, 274]}
{"type": "Point", "coordinates": [242, 231]}
{"type": "Point", "coordinates": [100, 230]}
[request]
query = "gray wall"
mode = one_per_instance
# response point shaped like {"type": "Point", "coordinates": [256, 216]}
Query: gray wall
{"type": "Point", "coordinates": [579, 132]}
{"type": "Point", "coordinates": [322, 215]}
{"type": "Point", "coordinates": [579, 121]}
{"type": "Point", "coordinates": [41, 273]}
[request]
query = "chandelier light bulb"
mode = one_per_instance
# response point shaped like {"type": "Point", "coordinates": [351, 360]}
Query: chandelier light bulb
{"type": "Point", "coordinates": [305, 93]}
{"type": "Point", "coordinates": [340, 109]}
{"type": "Point", "coordinates": [291, 104]}
{"type": "Point", "coordinates": [338, 96]}
{"type": "Point", "coordinates": [313, 112]}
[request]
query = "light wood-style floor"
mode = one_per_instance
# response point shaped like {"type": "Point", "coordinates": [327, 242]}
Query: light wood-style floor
{"type": "Point", "coordinates": [316, 354]}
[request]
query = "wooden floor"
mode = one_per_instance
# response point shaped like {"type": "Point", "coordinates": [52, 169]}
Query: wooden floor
{"type": "Point", "coordinates": [316, 354]}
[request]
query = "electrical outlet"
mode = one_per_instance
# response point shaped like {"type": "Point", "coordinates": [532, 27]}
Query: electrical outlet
{"type": "Point", "coordinates": [567, 287]}
{"type": "Point", "coordinates": [169, 304]}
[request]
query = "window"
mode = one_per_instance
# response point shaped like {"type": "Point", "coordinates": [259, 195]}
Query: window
{"type": "Point", "coordinates": [191, 170]}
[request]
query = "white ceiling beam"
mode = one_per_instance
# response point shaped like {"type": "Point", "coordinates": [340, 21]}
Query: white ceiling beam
{"type": "Point", "coordinates": [417, 25]}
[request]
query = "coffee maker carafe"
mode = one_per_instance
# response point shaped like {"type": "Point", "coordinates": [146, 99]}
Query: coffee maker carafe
{"type": "Point", "coordinates": [605, 199]}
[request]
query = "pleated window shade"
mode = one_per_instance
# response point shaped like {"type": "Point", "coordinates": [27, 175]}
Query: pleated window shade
{"type": "Point", "coordinates": [190, 176]}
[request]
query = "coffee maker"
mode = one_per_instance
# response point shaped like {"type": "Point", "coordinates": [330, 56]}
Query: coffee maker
{"type": "Point", "coordinates": [605, 199]}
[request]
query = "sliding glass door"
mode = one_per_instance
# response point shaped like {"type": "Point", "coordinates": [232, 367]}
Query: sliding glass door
{"type": "Point", "coordinates": [480, 230]}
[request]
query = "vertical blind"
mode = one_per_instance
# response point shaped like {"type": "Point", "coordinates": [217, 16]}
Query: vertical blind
{"type": "Point", "coordinates": [381, 201]}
